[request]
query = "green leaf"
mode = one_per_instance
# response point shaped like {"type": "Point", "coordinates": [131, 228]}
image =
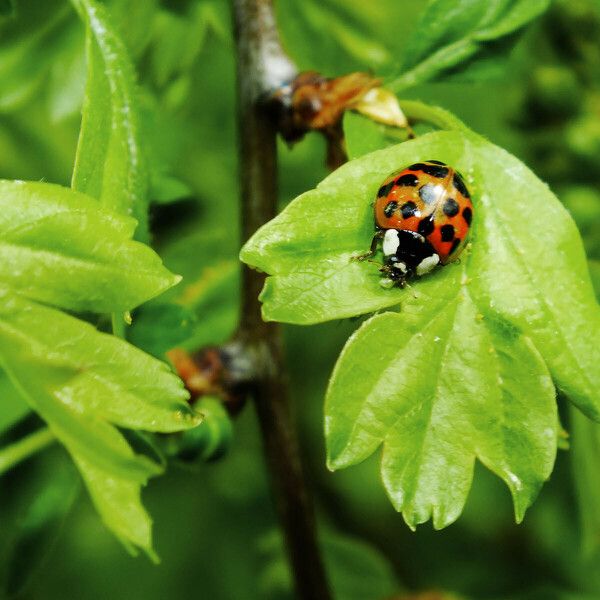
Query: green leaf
{"type": "Point", "coordinates": [364, 135]}
{"type": "Point", "coordinates": [535, 278]}
{"type": "Point", "coordinates": [22, 449]}
{"type": "Point", "coordinates": [502, 302]}
{"type": "Point", "coordinates": [67, 75]}
{"type": "Point", "coordinates": [208, 441]}
{"type": "Point", "coordinates": [308, 252]}
{"type": "Point", "coordinates": [85, 383]}
{"type": "Point", "coordinates": [135, 22]}
{"type": "Point", "coordinates": [159, 326]}
{"type": "Point", "coordinates": [60, 247]}
{"type": "Point", "coordinates": [595, 274]}
{"type": "Point", "coordinates": [308, 249]}
{"type": "Point", "coordinates": [210, 286]}
{"type": "Point", "coordinates": [353, 34]}
{"type": "Point", "coordinates": [103, 375]}
{"type": "Point", "coordinates": [110, 164]}
{"type": "Point", "coordinates": [438, 385]}
{"type": "Point", "coordinates": [178, 41]}
{"type": "Point", "coordinates": [463, 35]}
{"type": "Point", "coordinates": [12, 406]}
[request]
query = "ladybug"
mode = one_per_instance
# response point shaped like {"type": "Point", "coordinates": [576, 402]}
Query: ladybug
{"type": "Point", "coordinates": [422, 214]}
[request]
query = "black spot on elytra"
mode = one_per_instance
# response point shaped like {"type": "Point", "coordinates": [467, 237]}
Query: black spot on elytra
{"type": "Point", "coordinates": [447, 232]}
{"type": "Point", "coordinates": [384, 190]}
{"type": "Point", "coordinates": [437, 162]}
{"type": "Point", "coordinates": [426, 226]}
{"type": "Point", "coordinates": [459, 184]}
{"type": "Point", "coordinates": [408, 209]}
{"type": "Point", "coordinates": [417, 167]}
{"type": "Point", "coordinates": [435, 170]}
{"type": "Point", "coordinates": [455, 245]}
{"type": "Point", "coordinates": [390, 208]}
{"type": "Point", "coordinates": [467, 214]}
{"type": "Point", "coordinates": [428, 193]}
{"type": "Point", "coordinates": [451, 207]}
{"type": "Point", "coordinates": [407, 180]}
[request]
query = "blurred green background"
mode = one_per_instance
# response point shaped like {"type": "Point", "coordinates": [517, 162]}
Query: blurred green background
{"type": "Point", "coordinates": [215, 529]}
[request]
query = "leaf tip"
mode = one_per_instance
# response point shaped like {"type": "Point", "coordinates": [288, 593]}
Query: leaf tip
{"type": "Point", "coordinates": [152, 555]}
{"type": "Point", "coordinates": [245, 253]}
{"type": "Point", "coordinates": [408, 519]}
{"type": "Point", "coordinates": [265, 311]}
{"type": "Point", "coordinates": [333, 463]}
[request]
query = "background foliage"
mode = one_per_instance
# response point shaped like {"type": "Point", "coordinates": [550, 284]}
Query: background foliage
{"type": "Point", "coordinates": [214, 528]}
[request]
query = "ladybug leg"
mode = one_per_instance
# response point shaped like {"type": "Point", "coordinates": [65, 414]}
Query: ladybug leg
{"type": "Point", "coordinates": [373, 249]}
{"type": "Point", "coordinates": [392, 276]}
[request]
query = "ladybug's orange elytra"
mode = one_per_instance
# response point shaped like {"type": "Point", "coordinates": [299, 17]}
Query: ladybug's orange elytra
{"type": "Point", "coordinates": [423, 213]}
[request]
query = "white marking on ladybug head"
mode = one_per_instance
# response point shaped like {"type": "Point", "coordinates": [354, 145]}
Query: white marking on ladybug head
{"type": "Point", "coordinates": [391, 241]}
{"type": "Point", "coordinates": [400, 266]}
{"type": "Point", "coordinates": [427, 264]}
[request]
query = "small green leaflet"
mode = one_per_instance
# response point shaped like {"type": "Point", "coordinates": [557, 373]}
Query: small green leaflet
{"type": "Point", "coordinates": [362, 135]}
{"type": "Point", "coordinates": [62, 248]}
{"type": "Point", "coordinates": [58, 246]}
{"type": "Point", "coordinates": [462, 371]}
{"type": "Point", "coordinates": [470, 36]}
{"type": "Point", "coordinates": [110, 164]}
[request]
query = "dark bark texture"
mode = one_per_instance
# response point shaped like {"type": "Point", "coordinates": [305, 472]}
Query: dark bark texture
{"type": "Point", "coordinates": [263, 66]}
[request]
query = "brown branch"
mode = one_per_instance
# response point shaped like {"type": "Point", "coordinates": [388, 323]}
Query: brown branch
{"type": "Point", "coordinates": [263, 66]}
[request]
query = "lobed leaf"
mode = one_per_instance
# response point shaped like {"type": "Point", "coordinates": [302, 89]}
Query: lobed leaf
{"type": "Point", "coordinates": [536, 277]}
{"type": "Point", "coordinates": [85, 383]}
{"type": "Point", "coordinates": [462, 371]}
{"type": "Point", "coordinates": [59, 246]}
{"type": "Point", "coordinates": [462, 36]}
{"type": "Point", "coordinates": [439, 387]}
{"type": "Point", "coordinates": [110, 162]}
